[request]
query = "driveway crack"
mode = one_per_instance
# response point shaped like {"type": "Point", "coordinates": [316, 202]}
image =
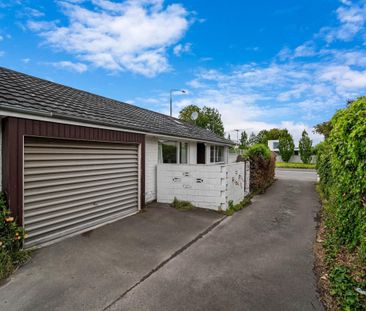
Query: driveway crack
{"type": "Point", "coordinates": [163, 263]}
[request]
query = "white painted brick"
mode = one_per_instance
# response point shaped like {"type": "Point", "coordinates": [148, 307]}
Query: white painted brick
{"type": "Point", "coordinates": [214, 192]}
{"type": "Point", "coordinates": [151, 162]}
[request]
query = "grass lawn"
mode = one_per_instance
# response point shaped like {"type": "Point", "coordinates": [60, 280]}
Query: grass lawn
{"type": "Point", "coordinates": [295, 165]}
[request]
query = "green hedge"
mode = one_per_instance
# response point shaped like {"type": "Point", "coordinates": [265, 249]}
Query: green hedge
{"type": "Point", "coordinates": [341, 165]}
{"type": "Point", "coordinates": [259, 150]}
{"type": "Point", "coordinates": [342, 169]}
{"type": "Point", "coordinates": [262, 167]}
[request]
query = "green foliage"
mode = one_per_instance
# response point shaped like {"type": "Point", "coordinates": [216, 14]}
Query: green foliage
{"type": "Point", "coordinates": [295, 165]}
{"type": "Point", "coordinates": [343, 288]}
{"type": "Point", "coordinates": [244, 142]}
{"type": "Point", "coordinates": [237, 207]}
{"type": "Point", "coordinates": [341, 166]}
{"type": "Point", "coordinates": [208, 118]}
{"type": "Point", "coordinates": [11, 242]}
{"type": "Point", "coordinates": [323, 128]}
{"type": "Point", "coordinates": [345, 184]}
{"type": "Point", "coordinates": [286, 147]}
{"type": "Point", "coordinates": [182, 205]}
{"type": "Point", "coordinates": [305, 147]}
{"type": "Point", "coordinates": [273, 134]}
{"type": "Point", "coordinates": [259, 150]}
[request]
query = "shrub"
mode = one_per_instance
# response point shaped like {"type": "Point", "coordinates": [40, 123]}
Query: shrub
{"type": "Point", "coordinates": [345, 184]}
{"type": "Point", "coordinates": [235, 208]}
{"type": "Point", "coordinates": [343, 287]}
{"type": "Point", "coordinates": [259, 150]}
{"type": "Point", "coordinates": [286, 147]}
{"type": "Point", "coordinates": [341, 166]}
{"type": "Point", "coordinates": [305, 148]}
{"type": "Point", "coordinates": [11, 241]}
{"type": "Point", "coordinates": [182, 205]}
{"type": "Point", "coordinates": [262, 168]}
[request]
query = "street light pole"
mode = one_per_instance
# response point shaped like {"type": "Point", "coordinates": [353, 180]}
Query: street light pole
{"type": "Point", "coordinates": [171, 99]}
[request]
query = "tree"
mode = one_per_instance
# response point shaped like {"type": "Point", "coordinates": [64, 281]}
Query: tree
{"type": "Point", "coordinates": [273, 134]}
{"type": "Point", "coordinates": [186, 114]}
{"type": "Point", "coordinates": [323, 128]}
{"type": "Point", "coordinates": [229, 137]}
{"type": "Point", "coordinates": [286, 147]}
{"type": "Point", "coordinates": [244, 143]}
{"type": "Point", "coordinates": [305, 147]}
{"type": "Point", "coordinates": [208, 118]}
{"type": "Point", "coordinates": [253, 139]}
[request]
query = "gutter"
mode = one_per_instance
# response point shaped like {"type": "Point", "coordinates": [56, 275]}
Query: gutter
{"type": "Point", "coordinates": [57, 116]}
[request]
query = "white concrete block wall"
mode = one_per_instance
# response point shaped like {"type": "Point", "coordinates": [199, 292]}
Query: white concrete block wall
{"type": "Point", "coordinates": [235, 187]}
{"type": "Point", "coordinates": [206, 186]}
{"type": "Point", "coordinates": [151, 162]}
{"type": "Point", "coordinates": [232, 157]}
{"type": "Point", "coordinates": [202, 185]}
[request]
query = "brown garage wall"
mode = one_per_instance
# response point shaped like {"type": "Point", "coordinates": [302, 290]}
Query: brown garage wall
{"type": "Point", "coordinates": [14, 130]}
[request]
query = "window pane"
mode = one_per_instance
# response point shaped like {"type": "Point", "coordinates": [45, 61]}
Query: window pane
{"type": "Point", "coordinates": [212, 154]}
{"type": "Point", "coordinates": [169, 152]}
{"type": "Point", "coordinates": [183, 153]}
{"type": "Point", "coordinates": [220, 154]}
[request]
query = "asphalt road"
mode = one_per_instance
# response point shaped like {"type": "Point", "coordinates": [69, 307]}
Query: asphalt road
{"type": "Point", "coordinates": [259, 259]}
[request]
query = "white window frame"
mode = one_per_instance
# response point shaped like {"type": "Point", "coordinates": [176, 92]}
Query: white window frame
{"type": "Point", "coordinates": [177, 145]}
{"type": "Point", "coordinates": [216, 148]}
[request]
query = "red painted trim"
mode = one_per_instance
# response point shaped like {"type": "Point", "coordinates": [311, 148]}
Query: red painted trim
{"type": "Point", "coordinates": [14, 131]}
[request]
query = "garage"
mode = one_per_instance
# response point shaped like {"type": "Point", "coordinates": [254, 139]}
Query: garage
{"type": "Point", "coordinates": [61, 179]}
{"type": "Point", "coordinates": [70, 187]}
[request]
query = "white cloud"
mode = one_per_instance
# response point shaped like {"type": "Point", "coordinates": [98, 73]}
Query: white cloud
{"type": "Point", "coordinates": [25, 60]}
{"type": "Point", "coordinates": [278, 93]}
{"type": "Point", "coordinates": [305, 50]}
{"type": "Point", "coordinates": [78, 67]}
{"type": "Point", "coordinates": [344, 77]}
{"type": "Point", "coordinates": [132, 35]}
{"type": "Point", "coordinates": [182, 49]}
{"type": "Point", "coordinates": [351, 19]}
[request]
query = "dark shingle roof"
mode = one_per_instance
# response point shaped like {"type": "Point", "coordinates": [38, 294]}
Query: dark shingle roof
{"type": "Point", "coordinates": [19, 91]}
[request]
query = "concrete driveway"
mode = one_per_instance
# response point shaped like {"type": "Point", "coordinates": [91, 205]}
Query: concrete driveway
{"type": "Point", "coordinates": [90, 271]}
{"type": "Point", "coordinates": [259, 259]}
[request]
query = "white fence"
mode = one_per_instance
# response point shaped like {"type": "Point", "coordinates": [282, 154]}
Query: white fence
{"type": "Point", "coordinates": [207, 186]}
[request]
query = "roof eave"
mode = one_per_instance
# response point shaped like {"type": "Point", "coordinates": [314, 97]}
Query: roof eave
{"type": "Point", "coordinates": [57, 116]}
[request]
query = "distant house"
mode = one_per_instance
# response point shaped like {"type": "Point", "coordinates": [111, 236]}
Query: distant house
{"type": "Point", "coordinates": [273, 145]}
{"type": "Point", "coordinates": [72, 160]}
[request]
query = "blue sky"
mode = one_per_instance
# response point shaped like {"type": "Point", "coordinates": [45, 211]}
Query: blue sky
{"type": "Point", "coordinates": [263, 64]}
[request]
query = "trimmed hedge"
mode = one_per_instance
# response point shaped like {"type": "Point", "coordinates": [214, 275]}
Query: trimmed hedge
{"type": "Point", "coordinates": [262, 167]}
{"type": "Point", "coordinates": [341, 165]}
{"type": "Point", "coordinates": [342, 170]}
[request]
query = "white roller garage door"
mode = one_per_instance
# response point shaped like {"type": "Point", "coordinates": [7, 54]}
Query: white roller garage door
{"type": "Point", "coordinates": [72, 187]}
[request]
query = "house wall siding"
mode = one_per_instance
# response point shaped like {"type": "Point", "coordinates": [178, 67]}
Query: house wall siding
{"type": "Point", "coordinates": [151, 162]}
